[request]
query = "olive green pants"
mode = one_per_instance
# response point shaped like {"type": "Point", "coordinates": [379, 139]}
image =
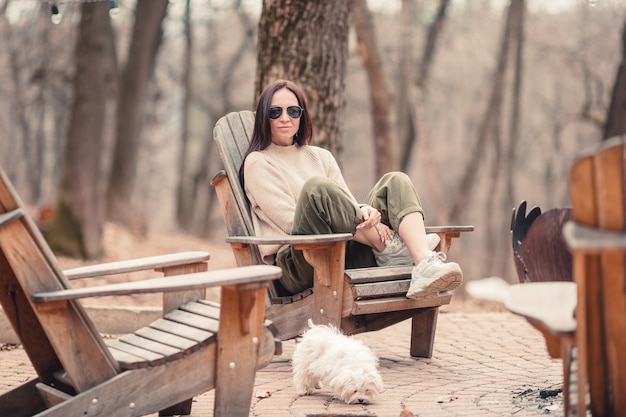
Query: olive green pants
{"type": "Point", "coordinates": [324, 208]}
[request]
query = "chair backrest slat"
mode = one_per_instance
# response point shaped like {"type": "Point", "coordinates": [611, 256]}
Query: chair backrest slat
{"type": "Point", "coordinates": [232, 135]}
{"type": "Point", "coordinates": [598, 194]}
{"type": "Point", "coordinates": [53, 334]}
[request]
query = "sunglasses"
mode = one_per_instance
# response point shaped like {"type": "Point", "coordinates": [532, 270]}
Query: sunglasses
{"type": "Point", "coordinates": [295, 112]}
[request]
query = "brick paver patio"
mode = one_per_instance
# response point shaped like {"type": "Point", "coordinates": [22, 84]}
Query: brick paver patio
{"type": "Point", "coordinates": [483, 364]}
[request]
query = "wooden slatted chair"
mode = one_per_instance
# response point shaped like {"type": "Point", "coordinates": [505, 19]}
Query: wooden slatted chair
{"type": "Point", "coordinates": [540, 252]}
{"type": "Point", "coordinates": [195, 347]}
{"type": "Point", "coordinates": [541, 257]}
{"type": "Point", "coordinates": [597, 238]}
{"type": "Point", "coordinates": [586, 318]}
{"type": "Point", "coordinates": [356, 300]}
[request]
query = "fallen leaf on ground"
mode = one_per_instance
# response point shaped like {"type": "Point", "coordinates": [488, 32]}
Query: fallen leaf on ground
{"type": "Point", "coordinates": [447, 398]}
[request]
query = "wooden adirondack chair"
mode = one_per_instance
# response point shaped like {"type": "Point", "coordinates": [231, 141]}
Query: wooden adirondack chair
{"type": "Point", "coordinates": [541, 257]}
{"type": "Point", "coordinates": [356, 300]}
{"type": "Point", "coordinates": [586, 318]}
{"type": "Point", "coordinates": [195, 347]}
{"type": "Point", "coordinates": [540, 252]}
{"type": "Point", "coordinates": [597, 239]}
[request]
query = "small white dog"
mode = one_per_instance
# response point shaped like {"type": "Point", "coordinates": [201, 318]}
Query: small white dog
{"type": "Point", "coordinates": [326, 357]}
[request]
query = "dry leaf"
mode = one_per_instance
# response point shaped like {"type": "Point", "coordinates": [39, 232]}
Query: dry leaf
{"type": "Point", "coordinates": [447, 398]}
{"type": "Point", "coordinates": [263, 394]}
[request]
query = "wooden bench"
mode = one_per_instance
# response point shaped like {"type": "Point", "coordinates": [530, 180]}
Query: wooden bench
{"type": "Point", "coordinates": [356, 300]}
{"type": "Point", "coordinates": [196, 346]}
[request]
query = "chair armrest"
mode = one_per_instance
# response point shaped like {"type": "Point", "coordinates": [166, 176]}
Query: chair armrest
{"type": "Point", "coordinates": [592, 240]}
{"type": "Point", "coordinates": [550, 303]}
{"type": "Point", "coordinates": [134, 265]}
{"type": "Point", "coordinates": [258, 275]}
{"type": "Point", "coordinates": [290, 239]}
{"type": "Point", "coordinates": [449, 229]}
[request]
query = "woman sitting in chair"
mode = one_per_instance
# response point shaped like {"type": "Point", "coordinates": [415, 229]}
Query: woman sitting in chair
{"type": "Point", "coordinates": [297, 188]}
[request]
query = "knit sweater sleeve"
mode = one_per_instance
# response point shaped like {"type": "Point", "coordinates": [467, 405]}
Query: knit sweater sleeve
{"type": "Point", "coordinates": [333, 170]}
{"type": "Point", "coordinates": [271, 201]}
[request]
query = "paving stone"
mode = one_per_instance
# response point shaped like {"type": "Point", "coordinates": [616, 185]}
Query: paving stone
{"type": "Point", "coordinates": [483, 364]}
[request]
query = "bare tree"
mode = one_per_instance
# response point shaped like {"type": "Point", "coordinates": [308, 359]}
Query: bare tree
{"type": "Point", "coordinates": [417, 126]}
{"type": "Point", "coordinates": [414, 120]}
{"type": "Point", "coordinates": [405, 126]}
{"type": "Point", "coordinates": [132, 93]}
{"type": "Point", "coordinates": [307, 42]}
{"type": "Point", "coordinates": [184, 199]}
{"type": "Point", "coordinates": [434, 30]}
{"type": "Point", "coordinates": [384, 146]}
{"type": "Point", "coordinates": [196, 197]}
{"type": "Point", "coordinates": [486, 128]}
{"type": "Point", "coordinates": [491, 133]}
{"type": "Point", "coordinates": [616, 120]}
{"type": "Point", "coordinates": [76, 228]}
{"type": "Point", "coordinates": [518, 10]}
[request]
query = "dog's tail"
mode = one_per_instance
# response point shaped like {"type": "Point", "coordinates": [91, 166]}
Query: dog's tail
{"type": "Point", "coordinates": [323, 326]}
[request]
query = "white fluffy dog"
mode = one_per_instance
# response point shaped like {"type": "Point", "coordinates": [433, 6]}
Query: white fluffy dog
{"type": "Point", "coordinates": [326, 357]}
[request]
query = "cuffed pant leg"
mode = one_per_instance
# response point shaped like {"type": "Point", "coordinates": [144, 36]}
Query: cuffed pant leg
{"type": "Point", "coordinates": [394, 195]}
{"type": "Point", "coordinates": [323, 208]}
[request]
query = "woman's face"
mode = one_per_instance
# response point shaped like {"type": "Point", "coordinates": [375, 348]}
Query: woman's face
{"type": "Point", "coordinates": [284, 128]}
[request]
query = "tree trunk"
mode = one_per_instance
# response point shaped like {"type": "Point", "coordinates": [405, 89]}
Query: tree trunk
{"type": "Point", "coordinates": [384, 147]}
{"type": "Point", "coordinates": [196, 197]}
{"type": "Point", "coordinates": [431, 42]}
{"type": "Point", "coordinates": [419, 87]}
{"type": "Point", "coordinates": [184, 199]}
{"type": "Point", "coordinates": [418, 143]}
{"type": "Point", "coordinates": [76, 227]}
{"type": "Point", "coordinates": [405, 125]}
{"type": "Point", "coordinates": [518, 8]}
{"type": "Point", "coordinates": [477, 152]}
{"type": "Point", "coordinates": [616, 119]}
{"type": "Point", "coordinates": [307, 43]}
{"type": "Point", "coordinates": [145, 42]}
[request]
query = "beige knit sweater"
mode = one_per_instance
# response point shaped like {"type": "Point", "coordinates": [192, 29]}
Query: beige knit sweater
{"type": "Point", "coordinates": [273, 179]}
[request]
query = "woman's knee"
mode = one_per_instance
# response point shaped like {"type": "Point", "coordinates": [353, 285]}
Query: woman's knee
{"type": "Point", "coordinates": [396, 176]}
{"type": "Point", "coordinates": [313, 184]}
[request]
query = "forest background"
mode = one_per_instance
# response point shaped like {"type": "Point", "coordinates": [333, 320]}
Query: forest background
{"type": "Point", "coordinates": [205, 65]}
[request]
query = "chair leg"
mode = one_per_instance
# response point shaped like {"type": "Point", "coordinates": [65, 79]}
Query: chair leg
{"type": "Point", "coordinates": [238, 344]}
{"type": "Point", "coordinates": [567, 351]}
{"type": "Point", "coordinates": [423, 327]}
{"type": "Point", "coordinates": [580, 408]}
{"type": "Point", "coordinates": [180, 409]}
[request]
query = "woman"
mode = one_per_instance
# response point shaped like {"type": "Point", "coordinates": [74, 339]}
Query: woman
{"type": "Point", "coordinates": [296, 188]}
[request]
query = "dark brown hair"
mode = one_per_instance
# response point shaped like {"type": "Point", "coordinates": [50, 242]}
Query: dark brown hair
{"type": "Point", "coordinates": [262, 132]}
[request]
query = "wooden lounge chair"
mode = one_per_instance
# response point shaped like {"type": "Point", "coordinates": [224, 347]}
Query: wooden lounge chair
{"type": "Point", "coordinates": [587, 318]}
{"type": "Point", "coordinates": [197, 346]}
{"type": "Point", "coordinates": [540, 252]}
{"type": "Point", "coordinates": [597, 239]}
{"type": "Point", "coordinates": [541, 257]}
{"type": "Point", "coordinates": [355, 300]}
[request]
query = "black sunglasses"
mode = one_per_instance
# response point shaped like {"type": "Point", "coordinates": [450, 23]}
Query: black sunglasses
{"type": "Point", "coordinates": [295, 112]}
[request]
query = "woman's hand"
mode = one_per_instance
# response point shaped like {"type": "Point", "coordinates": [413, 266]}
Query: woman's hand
{"type": "Point", "coordinates": [371, 218]}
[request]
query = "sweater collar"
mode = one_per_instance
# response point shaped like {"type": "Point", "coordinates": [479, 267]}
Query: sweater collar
{"type": "Point", "coordinates": [277, 148]}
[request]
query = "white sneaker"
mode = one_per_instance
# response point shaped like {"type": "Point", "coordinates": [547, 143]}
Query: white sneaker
{"type": "Point", "coordinates": [432, 276]}
{"type": "Point", "coordinates": [396, 253]}
{"type": "Point", "coordinates": [433, 240]}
